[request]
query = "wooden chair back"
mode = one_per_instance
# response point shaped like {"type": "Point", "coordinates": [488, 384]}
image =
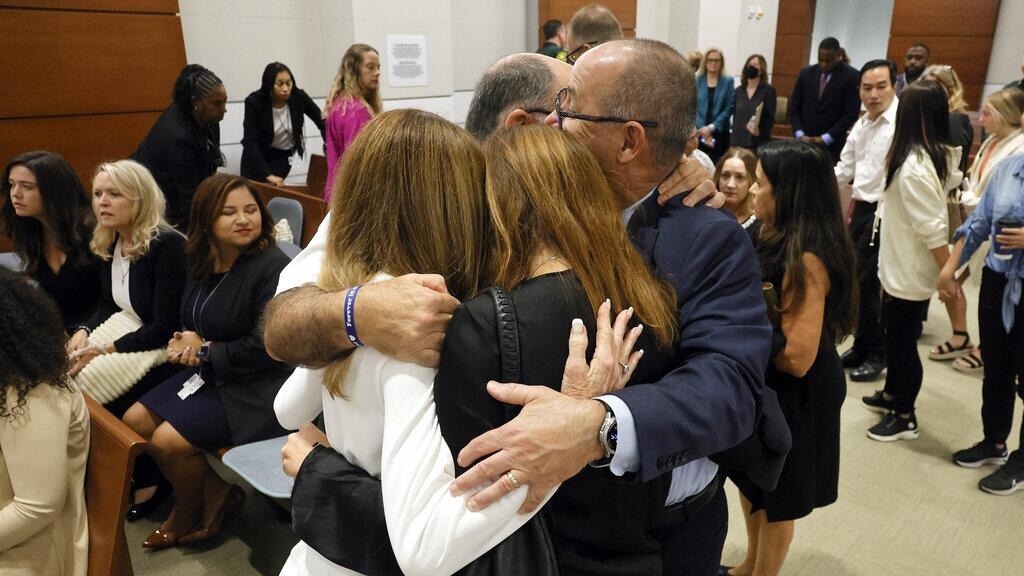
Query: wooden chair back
{"type": "Point", "coordinates": [113, 447]}
{"type": "Point", "coordinates": [316, 176]}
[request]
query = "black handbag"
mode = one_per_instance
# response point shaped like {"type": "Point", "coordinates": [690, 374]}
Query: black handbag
{"type": "Point", "coordinates": [529, 551]}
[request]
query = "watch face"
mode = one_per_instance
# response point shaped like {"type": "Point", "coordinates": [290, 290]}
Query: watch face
{"type": "Point", "coordinates": [613, 436]}
{"type": "Point", "coordinates": [204, 351]}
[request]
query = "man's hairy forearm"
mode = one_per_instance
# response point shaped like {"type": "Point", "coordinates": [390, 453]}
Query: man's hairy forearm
{"type": "Point", "coordinates": [304, 326]}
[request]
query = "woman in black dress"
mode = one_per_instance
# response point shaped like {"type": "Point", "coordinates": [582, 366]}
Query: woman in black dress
{"type": "Point", "coordinates": [274, 117]}
{"type": "Point", "coordinates": [47, 213]}
{"type": "Point", "coordinates": [183, 147]}
{"type": "Point", "coordinates": [750, 128]}
{"type": "Point", "coordinates": [805, 250]}
{"type": "Point", "coordinates": [233, 270]}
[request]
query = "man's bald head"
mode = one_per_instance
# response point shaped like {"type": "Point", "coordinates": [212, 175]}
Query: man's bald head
{"type": "Point", "coordinates": [644, 79]}
{"type": "Point", "coordinates": [593, 24]}
{"type": "Point", "coordinates": [524, 82]}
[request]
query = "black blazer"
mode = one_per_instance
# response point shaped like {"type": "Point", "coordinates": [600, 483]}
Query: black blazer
{"type": "Point", "coordinates": [228, 316]}
{"type": "Point", "coordinates": [154, 288]}
{"type": "Point", "coordinates": [258, 129]}
{"type": "Point", "coordinates": [834, 113]}
{"type": "Point", "coordinates": [765, 96]}
{"type": "Point", "coordinates": [180, 153]}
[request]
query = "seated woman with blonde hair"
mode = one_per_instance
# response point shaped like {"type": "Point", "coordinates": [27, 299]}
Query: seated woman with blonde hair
{"type": "Point", "coordinates": [143, 275]}
{"type": "Point", "coordinates": [44, 440]}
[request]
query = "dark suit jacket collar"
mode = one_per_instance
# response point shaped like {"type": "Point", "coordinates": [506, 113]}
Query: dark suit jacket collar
{"type": "Point", "coordinates": [643, 225]}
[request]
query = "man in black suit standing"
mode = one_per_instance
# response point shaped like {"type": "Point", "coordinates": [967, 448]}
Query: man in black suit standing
{"type": "Point", "coordinates": [825, 101]}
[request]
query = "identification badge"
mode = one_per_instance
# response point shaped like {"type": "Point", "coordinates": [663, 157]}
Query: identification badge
{"type": "Point", "coordinates": [191, 385]}
{"type": "Point", "coordinates": [291, 160]}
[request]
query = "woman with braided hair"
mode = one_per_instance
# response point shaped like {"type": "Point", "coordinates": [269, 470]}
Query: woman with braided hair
{"type": "Point", "coordinates": [183, 147]}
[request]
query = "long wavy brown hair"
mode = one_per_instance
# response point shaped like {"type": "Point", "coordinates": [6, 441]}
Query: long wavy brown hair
{"type": "Point", "coordinates": [409, 199]}
{"type": "Point", "coordinates": [208, 201]}
{"type": "Point", "coordinates": [546, 190]}
{"type": "Point", "coordinates": [348, 85]}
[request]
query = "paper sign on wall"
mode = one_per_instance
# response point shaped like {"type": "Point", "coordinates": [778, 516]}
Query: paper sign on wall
{"type": "Point", "coordinates": [407, 60]}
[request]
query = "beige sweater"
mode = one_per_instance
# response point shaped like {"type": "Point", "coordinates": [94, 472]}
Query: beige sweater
{"type": "Point", "coordinates": [43, 525]}
{"type": "Point", "coordinates": [914, 221]}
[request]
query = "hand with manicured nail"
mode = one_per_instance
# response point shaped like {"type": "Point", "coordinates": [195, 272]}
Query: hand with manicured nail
{"type": "Point", "coordinates": [613, 350]}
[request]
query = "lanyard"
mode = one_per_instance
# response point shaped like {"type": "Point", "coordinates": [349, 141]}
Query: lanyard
{"type": "Point", "coordinates": [195, 319]}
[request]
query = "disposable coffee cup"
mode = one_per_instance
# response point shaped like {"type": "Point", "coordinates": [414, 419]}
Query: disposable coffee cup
{"type": "Point", "coordinates": [1002, 252]}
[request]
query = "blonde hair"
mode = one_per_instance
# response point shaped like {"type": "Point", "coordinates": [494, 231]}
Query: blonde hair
{"type": "Point", "coordinates": [693, 58]}
{"type": "Point", "coordinates": [409, 197]}
{"type": "Point", "coordinates": [545, 189]}
{"type": "Point", "coordinates": [136, 183]}
{"type": "Point", "coordinates": [704, 62]}
{"type": "Point", "coordinates": [1008, 105]}
{"type": "Point", "coordinates": [348, 84]}
{"type": "Point", "coordinates": [947, 77]}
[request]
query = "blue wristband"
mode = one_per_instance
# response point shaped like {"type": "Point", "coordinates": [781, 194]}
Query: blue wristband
{"type": "Point", "coordinates": [350, 315]}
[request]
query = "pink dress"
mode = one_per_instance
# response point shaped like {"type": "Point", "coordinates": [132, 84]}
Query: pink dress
{"type": "Point", "coordinates": [344, 121]}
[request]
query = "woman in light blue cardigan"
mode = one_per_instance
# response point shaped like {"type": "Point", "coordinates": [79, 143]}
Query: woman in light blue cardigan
{"type": "Point", "coordinates": [716, 98]}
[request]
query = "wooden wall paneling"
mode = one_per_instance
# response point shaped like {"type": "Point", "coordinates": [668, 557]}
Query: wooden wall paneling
{"type": "Point", "coordinates": [624, 10]}
{"type": "Point", "coordinates": [84, 141]}
{"type": "Point", "coordinates": [87, 62]}
{"type": "Point", "coordinates": [944, 17]}
{"type": "Point", "coordinates": [792, 45]}
{"type": "Point", "coordinates": [968, 55]}
{"type": "Point", "coordinates": [137, 6]}
{"type": "Point", "coordinates": [959, 34]}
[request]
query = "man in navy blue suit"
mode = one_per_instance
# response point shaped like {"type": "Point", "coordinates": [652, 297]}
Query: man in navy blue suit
{"type": "Point", "coordinates": [825, 101]}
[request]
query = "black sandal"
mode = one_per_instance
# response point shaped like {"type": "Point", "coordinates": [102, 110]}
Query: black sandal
{"type": "Point", "coordinates": [946, 350]}
{"type": "Point", "coordinates": [970, 364]}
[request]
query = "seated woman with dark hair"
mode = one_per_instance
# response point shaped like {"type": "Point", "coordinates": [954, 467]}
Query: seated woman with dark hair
{"type": "Point", "coordinates": [47, 213]}
{"type": "Point", "coordinates": [227, 397]}
{"type": "Point", "coordinates": [806, 253]}
{"type": "Point", "coordinates": [44, 440]}
{"type": "Point", "coordinates": [274, 118]}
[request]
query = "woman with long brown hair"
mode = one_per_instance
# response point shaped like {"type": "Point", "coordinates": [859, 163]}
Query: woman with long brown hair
{"type": "Point", "coordinates": [352, 101]}
{"type": "Point", "coordinates": [549, 203]}
{"type": "Point", "coordinates": [226, 396]}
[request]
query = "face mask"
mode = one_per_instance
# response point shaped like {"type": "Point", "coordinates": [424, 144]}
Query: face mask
{"type": "Point", "coordinates": [750, 72]}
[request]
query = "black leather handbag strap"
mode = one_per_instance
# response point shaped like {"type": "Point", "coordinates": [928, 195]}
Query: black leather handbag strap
{"type": "Point", "coordinates": [508, 335]}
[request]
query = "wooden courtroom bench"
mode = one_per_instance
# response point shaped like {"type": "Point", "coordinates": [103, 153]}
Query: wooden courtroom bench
{"type": "Point", "coordinates": [113, 447]}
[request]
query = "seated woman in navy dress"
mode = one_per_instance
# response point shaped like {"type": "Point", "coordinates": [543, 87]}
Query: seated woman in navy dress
{"type": "Point", "coordinates": [227, 397]}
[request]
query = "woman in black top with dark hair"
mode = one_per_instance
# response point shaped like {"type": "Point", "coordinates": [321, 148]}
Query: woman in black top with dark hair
{"type": "Point", "coordinates": [752, 128]}
{"type": "Point", "coordinates": [273, 125]}
{"type": "Point", "coordinates": [806, 254]}
{"type": "Point", "coordinates": [47, 213]}
{"type": "Point", "coordinates": [183, 147]}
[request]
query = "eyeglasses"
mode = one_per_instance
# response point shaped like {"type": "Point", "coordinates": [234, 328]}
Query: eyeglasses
{"type": "Point", "coordinates": [573, 56]}
{"type": "Point", "coordinates": [561, 114]}
{"type": "Point", "coordinates": [543, 111]}
{"type": "Point", "coordinates": [714, 60]}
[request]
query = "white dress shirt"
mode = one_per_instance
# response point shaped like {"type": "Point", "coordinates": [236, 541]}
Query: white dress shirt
{"type": "Point", "coordinates": [863, 156]}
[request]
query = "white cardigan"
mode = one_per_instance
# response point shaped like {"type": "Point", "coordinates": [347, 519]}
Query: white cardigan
{"type": "Point", "coordinates": [915, 222]}
{"type": "Point", "coordinates": [388, 427]}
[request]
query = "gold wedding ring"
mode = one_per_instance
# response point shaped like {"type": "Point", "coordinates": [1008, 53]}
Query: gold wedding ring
{"type": "Point", "coordinates": [513, 480]}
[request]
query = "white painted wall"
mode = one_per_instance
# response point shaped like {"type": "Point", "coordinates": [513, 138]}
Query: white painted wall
{"type": "Point", "coordinates": [724, 24]}
{"type": "Point", "coordinates": [237, 38]}
{"type": "Point", "coordinates": [861, 26]}
{"type": "Point", "coordinates": [1004, 66]}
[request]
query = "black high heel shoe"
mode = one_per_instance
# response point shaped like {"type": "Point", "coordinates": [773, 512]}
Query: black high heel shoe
{"type": "Point", "coordinates": [144, 509]}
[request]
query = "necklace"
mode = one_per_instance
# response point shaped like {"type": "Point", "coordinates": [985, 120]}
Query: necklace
{"type": "Point", "coordinates": [122, 265]}
{"type": "Point", "coordinates": [543, 262]}
{"type": "Point", "coordinates": [195, 319]}
{"type": "Point", "coordinates": [284, 119]}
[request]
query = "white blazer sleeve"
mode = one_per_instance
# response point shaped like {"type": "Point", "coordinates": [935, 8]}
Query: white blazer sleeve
{"type": "Point", "coordinates": [432, 532]}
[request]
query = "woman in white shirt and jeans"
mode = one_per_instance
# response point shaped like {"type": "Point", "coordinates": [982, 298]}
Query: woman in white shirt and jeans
{"type": "Point", "coordinates": [922, 164]}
